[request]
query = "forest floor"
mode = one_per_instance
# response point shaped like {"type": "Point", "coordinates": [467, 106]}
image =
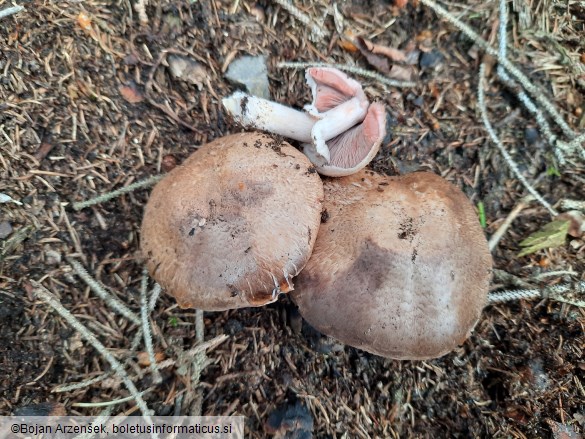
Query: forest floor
{"type": "Point", "coordinates": [88, 105]}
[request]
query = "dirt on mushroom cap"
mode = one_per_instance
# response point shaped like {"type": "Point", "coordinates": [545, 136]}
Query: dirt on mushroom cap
{"type": "Point", "coordinates": [401, 267]}
{"type": "Point", "coordinates": [234, 223]}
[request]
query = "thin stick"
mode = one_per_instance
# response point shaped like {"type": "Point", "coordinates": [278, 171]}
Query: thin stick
{"type": "Point", "coordinates": [348, 68]}
{"type": "Point", "coordinates": [198, 364]}
{"type": "Point", "coordinates": [566, 293]}
{"type": "Point", "coordinates": [573, 145]}
{"type": "Point", "coordinates": [495, 238]}
{"type": "Point", "coordinates": [559, 148]}
{"type": "Point", "coordinates": [154, 295]}
{"type": "Point", "coordinates": [110, 300]}
{"type": "Point", "coordinates": [500, 146]}
{"type": "Point", "coordinates": [317, 32]}
{"type": "Point", "coordinates": [81, 384]}
{"type": "Point", "coordinates": [99, 420]}
{"type": "Point", "coordinates": [10, 11]}
{"type": "Point", "coordinates": [144, 314]}
{"type": "Point", "coordinates": [534, 91]}
{"type": "Point", "coordinates": [209, 344]}
{"type": "Point", "coordinates": [150, 181]}
{"type": "Point", "coordinates": [572, 205]}
{"type": "Point", "coordinates": [108, 403]}
{"type": "Point", "coordinates": [205, 346]}
{"type": "Point", "coordinates": [41, 292]}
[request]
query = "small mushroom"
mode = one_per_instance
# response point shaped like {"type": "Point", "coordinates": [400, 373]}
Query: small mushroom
{"type": "Point", "coordinates": [401, 267]}
{"type": "Point", "coordinates": [233, 224]}
{"type": "Point", "coordinates": [340, 130]}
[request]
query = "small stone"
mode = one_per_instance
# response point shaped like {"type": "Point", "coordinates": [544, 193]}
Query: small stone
{"type": "Point", "coordinates": [292, 421]}
{"type": "Point", "coordinates": [5, 229]}
{"type": "Point", "coordinates": [188, 70]}
{"type": "Point", "coordinates": [419, 102]}
{"type": "Point", "coordinates": [50, 408]}
{"type": "Point", "coordinates": [429, 60]}
{"type": "Point", "coordinates": [52, 257]}
{"type": "Point", "coordinates": [8, 199]}
{"type": "Point", "coordinates": [233, 326]}
{"type": "Point", "coordinates": [169, 162]}
{"type": "Point", "coordinates": [531, 135]}
{"type": "Point", "coordinates": [251, 72]}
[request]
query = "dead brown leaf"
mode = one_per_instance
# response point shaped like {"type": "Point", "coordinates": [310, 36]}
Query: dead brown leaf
{"type": "Point", "coordinates": [131, 94]}
{"type": "Point", "coordinates": [43, 150]}
{"type": "Point", "coordinates": [393, 54]}
{"type": "Point", "coordinates": [144, 359]}
{"type": "Point", "coordinates": [378, 62]}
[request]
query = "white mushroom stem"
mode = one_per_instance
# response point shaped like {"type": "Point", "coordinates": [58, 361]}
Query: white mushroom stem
{"type": "Point", "coordinates": [251, 111]}
{"type": "Point", "coordinates": [332, 123]}
{"type": "Point", "coordinates": [314, 131]}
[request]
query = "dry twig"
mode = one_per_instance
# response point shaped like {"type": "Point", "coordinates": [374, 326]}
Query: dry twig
{"type": "Point", "coordinates": [351, 69]}
{"type": "Point", "coordinates": [317, 32]}
{"type": "Point", "coordinates": [572, 293]}
{"type": "Point", "coordinates": [144, 316]}
{"type": "Point", "coordinates": [500, 146]}
{"type": "Point", "coordinates": [147, 182]}
{"type": "Point", "coordinates": [10, 11]}
{"type": "Point", "coordinates": [108, 298]}
{"type": "Point", "coordinates": [534, 91]}
{"type": "Point", "coordinates": [495, 238]}
{"type": "Point", "coordinates": [42, 293]}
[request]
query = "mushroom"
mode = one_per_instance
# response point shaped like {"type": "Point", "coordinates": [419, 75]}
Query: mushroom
{"type": "Point", "coordinates": [401, 267]}
{"type": "Point", "coordinates": [340, 130]}
{"type": "Point", "coordinates": [233, 224]}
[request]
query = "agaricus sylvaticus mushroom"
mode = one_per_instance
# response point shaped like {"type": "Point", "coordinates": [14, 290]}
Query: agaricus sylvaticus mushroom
{"type": "Point", "coordinates": [340, 130]}
{"type": "Point", "coordinates": [401, 267]}
{"type": "Point", "coordinates": [233, 224]}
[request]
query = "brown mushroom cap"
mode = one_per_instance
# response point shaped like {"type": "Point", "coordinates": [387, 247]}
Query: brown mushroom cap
{"type": "Point", "coordinates": [231, 226]}
{"type": "Point", "coordinates": [401, 267]}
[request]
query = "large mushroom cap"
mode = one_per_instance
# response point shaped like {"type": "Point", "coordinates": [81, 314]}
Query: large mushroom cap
{"type": "Point", "coordinates": [231, 226]}
{"type": "Point", "coordinates": [401, 267]}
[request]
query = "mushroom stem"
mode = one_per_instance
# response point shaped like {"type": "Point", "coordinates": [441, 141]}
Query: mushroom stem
{"type": "Point", "coordinates": [251, 111]}
{"type": "Point", "coordinates": [332, 123]}
{"type": "Point", "coordinates": [341, 118]}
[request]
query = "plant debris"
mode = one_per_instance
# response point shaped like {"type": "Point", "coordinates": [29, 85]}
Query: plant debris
{"type": "Point", "coordinates": [67, 134]}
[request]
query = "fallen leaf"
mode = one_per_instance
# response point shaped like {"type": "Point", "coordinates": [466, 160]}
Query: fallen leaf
{"type": "Point", "coordinates": [380, 63]}
{"type": "Point", "coordinates": [379, 57]}
{"type": "Point", "coordinates": [131, 94]}
{"type": "Point", "coordinates": [187, 70]}
{"type": "Point", "coordinates": [576, 222]}
{"type": "Point", "coordinates": [551, 235]}
{"type": "Point", "coordinates": [84, 21]}
{"type": "Point", "coordinates": [393, 54]}
{"type": "Point", "coordinates": [347, 45]}
{"type": "Point", "coordinates": [401, 73]}
{"type": "Point", "coordinates": [144, 359]}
